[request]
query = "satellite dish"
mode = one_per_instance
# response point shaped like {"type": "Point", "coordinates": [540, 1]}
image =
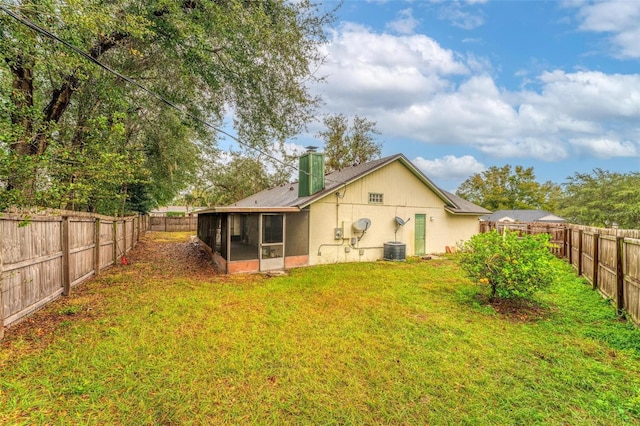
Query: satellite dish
{"type": "Point", "coordinates": [362, 225]}
{"type": "Point", "coordinates": [399, 223]}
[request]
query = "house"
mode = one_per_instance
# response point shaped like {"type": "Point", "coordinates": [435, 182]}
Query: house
{"type": "Point", "coordinates": [523, 216]}
{"type": "Point", "coordinates": [385, 208]}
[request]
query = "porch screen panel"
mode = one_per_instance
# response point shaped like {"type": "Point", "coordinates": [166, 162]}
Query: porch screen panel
{"type": "Point", "coordinates": [297, 235]}
{"type": "Point", "coordinates": [222, 241]}
{"type": "Point", "coordinates": [245, 245]}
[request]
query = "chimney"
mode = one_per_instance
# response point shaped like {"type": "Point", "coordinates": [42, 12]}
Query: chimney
{"type": "Point", "coordinates": [311, 175]}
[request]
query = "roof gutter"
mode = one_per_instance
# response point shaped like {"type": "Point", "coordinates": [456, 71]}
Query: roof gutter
{"type": "Point", "coordinates": [238, 209]}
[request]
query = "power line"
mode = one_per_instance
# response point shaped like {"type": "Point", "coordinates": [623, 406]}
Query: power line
{"type": "Point", "coordinates": [25, 21]}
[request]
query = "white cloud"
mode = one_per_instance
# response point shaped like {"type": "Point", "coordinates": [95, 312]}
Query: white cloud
{"type": "Point", "coordinates": [620, 18]}
{"type": "Point", "coordinates": [449, 167]}
{"type": "Point", "coordinates": [415, 89]}
{"type": "Point", "coordinates": [367, 69]}
{"type": "Point", "coordinates": [605, 147]}
{"type": "Point", "coordinates": [404, 23]}
{"type": "Point", "coordinates": [591, 95]}
{"type": "Point", "coordinates": [461, 18]}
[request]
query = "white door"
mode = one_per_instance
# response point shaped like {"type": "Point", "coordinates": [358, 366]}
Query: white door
{"type": "Point", "coordinates": [272, 228]}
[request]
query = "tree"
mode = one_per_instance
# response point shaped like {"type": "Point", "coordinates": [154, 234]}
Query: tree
{"type": "Point", "coordinates": [224, 182]}
{"type": "Point", "coordinates": [504, 188]}
{"type": "Point", "coordinates": [513, 266]}
{"type": "Point", "coordinates": [602, 198]}
{"type": "Point", "coordinates": [349, 145]}
{"type": "Point", "coordinates": [207, 58]}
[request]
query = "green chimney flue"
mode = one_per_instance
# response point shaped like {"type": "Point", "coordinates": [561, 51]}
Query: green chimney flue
{"type": "Point", "coordinates": [311, 175]}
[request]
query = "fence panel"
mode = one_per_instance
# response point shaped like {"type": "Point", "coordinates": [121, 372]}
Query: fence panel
{"type": "Point", "coordinates": [607, 275]}
{"type": "Point", "coordinates": [32, 265]}
{"type": "Point", "coordinates": [81, 249]}
{"type": "Point", "coordinates": [106, 243]}
{"type": "Point", "coordinates": [632, 278]}
{"type": "Point", "coordinates": [120, 237]}
{"type": "Point", "coordinates": [588, 250]}
{"type": "Point", "coordinates": [173, 224]}
{"type": "Point", "coordinates": [129, 237]}
{"type": "Point", "coordinates": [43, 256]}
{"type": "Point", "coordinates": [576, 237]}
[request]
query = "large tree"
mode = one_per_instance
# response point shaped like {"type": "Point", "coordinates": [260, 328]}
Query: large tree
{"type": "Point", "coordinates": [226, 180]}
{"type": "Point", "coordinates": [603, 198]}
{"type": "Point", "coordinates": [348, 144]}
{"type": "Point", "coordinates": [73, 135]}
{"type": "Point", "coordinates": [506, 188]}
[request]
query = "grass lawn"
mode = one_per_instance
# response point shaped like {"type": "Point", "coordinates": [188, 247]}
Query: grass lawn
{"type": "Point", "coordinates": [165, 341]}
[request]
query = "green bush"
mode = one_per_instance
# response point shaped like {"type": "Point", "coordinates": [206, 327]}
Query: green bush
{"type": "Point", "coordinates": [175, 214]}
{"type": "Point", "coordinates": [513, 266]}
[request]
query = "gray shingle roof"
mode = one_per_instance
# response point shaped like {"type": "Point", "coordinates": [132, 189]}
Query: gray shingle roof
{"type": "Point", "coordinates": [285, 197]}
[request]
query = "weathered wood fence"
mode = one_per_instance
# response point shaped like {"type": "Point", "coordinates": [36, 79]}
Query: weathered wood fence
{"type": "Point", "coordinates": [608, 258]}
{"type": "Point", "coordinates": [44, 256]}
{"type": "Point", "coordinates": [173, 223]}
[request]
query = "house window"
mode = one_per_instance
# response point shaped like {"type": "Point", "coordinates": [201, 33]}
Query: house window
{"type": "Point", "coordinates": [375, 198]}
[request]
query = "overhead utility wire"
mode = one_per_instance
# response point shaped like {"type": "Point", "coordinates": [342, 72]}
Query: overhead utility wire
{"type": "Point", "coordinates": [87, 56]}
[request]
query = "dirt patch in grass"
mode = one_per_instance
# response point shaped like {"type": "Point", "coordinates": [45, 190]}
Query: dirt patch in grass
{"type": "Point", "coordinates": [177, 254]}
{"type": "Point", "coordinates": [517, 310]}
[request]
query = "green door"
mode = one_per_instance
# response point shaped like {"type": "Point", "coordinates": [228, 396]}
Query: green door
{"type": "Point", "coordinates": [421, 233]}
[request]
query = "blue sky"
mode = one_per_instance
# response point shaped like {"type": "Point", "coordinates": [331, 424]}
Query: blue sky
{"type": "Point", "coordinates": [460, 86]}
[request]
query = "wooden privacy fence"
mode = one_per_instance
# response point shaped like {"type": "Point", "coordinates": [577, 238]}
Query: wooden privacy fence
{"type": "Point", "coordinates": [45, 256]}
{"type": "Point", "coordinates": [608, 258]}
{"type": "Point", "coordinates": [173, 223]}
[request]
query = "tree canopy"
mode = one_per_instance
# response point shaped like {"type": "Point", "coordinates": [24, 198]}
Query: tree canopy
{"type": "Point", "coordinates": [73, 135]}
{"type": "Point", "coordinates": [603, 198]}
{"type": "Point", "coordinates": [225, 180]}
{"type": "Point", "coordinates": [507, 188]}
{"type": "Point", "coordinates": [349, 144]}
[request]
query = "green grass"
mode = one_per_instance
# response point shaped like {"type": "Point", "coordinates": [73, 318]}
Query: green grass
{"type": "Point", "coordinates": [370, 343]}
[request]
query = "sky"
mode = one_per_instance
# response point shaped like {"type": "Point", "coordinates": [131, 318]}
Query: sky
{"type": "Point", "coordinates": [460, 86]}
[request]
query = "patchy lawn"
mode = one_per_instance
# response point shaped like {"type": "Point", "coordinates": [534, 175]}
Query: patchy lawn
{"type": "Point", "coordinates": [164, 340]}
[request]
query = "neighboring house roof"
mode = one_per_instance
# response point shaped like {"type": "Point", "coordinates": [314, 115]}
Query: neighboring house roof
{"type": "Point", "coordinates": [285, 197]}
{"type": "Point", "coordinates": [523, 216]}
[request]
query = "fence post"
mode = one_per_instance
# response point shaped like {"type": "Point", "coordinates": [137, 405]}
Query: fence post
{"type": "Point", "coordinates": [596, 260]}
{"type": "Point", "coordinates": [620, 276]}
{"type": "Point", "coordinates": [139, 226]}
{"type": "Point", "coordinates": [96, 258]}
{"type": "Point", "coordinates": [133, 232]}
{"type": "Point", "coordinates": [570, 245]}
{"type": "Point", "coordinates": [1, 281]}
{"type": "Point", "coordinates": [115, 241]}
{"type": "Point", "coordinates": [66, 283]}
{"type": "Point", "coordinates": [579, 252]}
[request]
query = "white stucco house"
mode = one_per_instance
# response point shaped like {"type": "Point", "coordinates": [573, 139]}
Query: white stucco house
{"type": "Point", "coordinates": [386, 208]}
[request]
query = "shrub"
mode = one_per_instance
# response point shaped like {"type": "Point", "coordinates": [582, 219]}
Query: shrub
{"type": "Point", "coordinates": [512, 266]}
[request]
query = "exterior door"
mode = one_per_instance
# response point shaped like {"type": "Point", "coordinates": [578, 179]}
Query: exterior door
{"type": "Point", "coordinates": [421, 233]}
{"type": "Point", "coordinates": [272, 228]}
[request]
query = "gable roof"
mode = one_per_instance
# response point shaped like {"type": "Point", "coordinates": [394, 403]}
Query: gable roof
{"type": "Point", "coordinates": [523, 216]}
{"type": "Point", "coordinates": [285, 197]}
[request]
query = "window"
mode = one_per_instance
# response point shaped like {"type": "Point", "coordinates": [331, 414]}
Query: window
{"type": "Point", "coordinates": [375, 198]}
